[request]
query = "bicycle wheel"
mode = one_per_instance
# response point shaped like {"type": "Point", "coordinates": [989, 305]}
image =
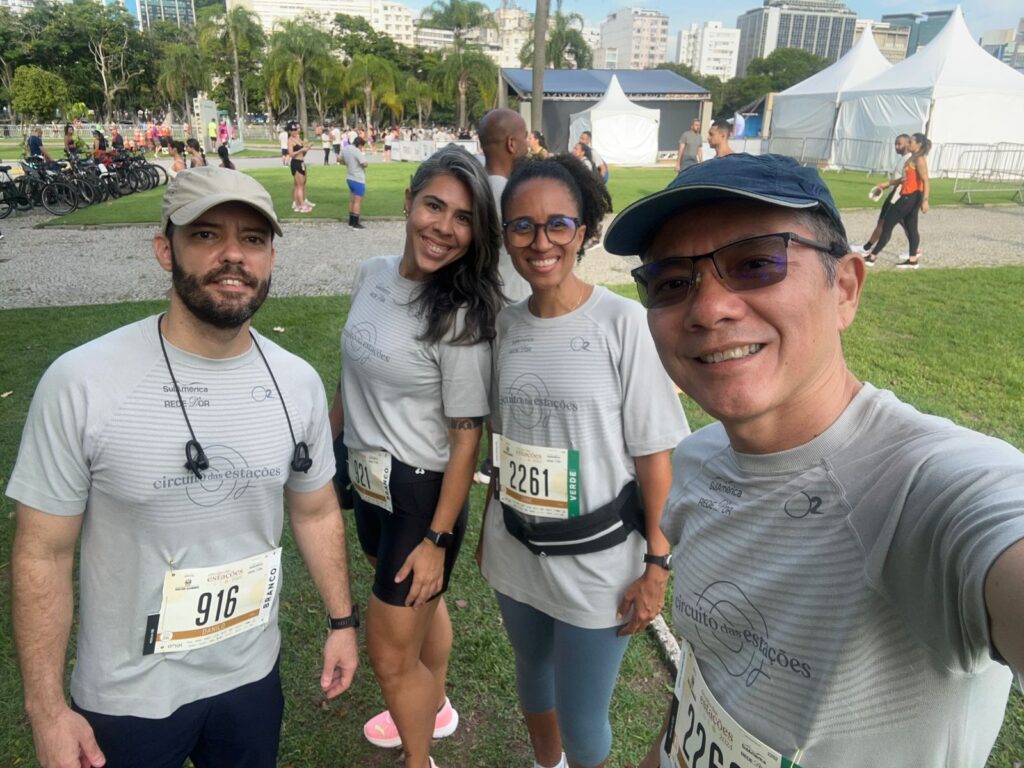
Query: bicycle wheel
{"type": "Point", "coordinates": [124, 182]}
{"type": "Point", "coordinates": [6, 206]}
{"type": "Point", "coordinates": [59, 198]}
{"type": "Point", "coordinates": [88, 191]}
{"type": "Point", "coordinates": [23, 194]}
{"type": "Point", "coordinates": [161, 174]}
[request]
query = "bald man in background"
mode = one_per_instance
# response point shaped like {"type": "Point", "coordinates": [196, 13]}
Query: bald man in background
{"type": "Point", "coordinates": [503, 138]}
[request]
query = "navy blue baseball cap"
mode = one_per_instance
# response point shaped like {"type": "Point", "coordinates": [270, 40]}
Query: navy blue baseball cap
{"type": "Point", "coordinates": [773, 179]}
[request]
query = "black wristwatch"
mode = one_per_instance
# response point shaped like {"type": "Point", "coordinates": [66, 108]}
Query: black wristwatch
{"type": "Point", "coordinates": [442, 540]}
{"type": "Point", "coordinates": [665, 561]}
{"type": "Point", "coordinates": [346, 622]}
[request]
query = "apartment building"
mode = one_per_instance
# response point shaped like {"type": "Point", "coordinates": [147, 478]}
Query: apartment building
{"type": "Point", "coordinates": [823, 27]}
{"type": "Point", "coordinates": [891, 41]}
{"type": "Point", "coordinates": [633, 38]}
{"type": "Point", "coordinates": [709, 49]}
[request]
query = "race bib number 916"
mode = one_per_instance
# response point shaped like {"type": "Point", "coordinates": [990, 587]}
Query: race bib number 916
{"type": "Point", "coordinates": [202, 606]}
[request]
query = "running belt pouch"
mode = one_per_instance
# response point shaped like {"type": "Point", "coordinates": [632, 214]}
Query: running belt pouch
{"type": "Point", "coordinates": [342, 483]}
{"type": "Point", "coordinates": [601, 529]}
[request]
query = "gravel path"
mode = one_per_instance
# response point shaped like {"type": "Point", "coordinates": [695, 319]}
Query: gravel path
{"type": "Point", "coordinates": [65, 266]}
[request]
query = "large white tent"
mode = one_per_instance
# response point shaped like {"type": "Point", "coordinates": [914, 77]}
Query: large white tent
{"type": "Point", "coordinates": [804, 116]}
{"type": "Point", "coordinates": [623, 132]}
{"type": "Point", "coordinates": [964, 99]}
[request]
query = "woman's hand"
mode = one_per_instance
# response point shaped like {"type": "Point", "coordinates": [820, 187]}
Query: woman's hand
{"type": "Point", "coordinates": [426, 564]}
{"type": "Point", "coordinates": [644, 598]}
{"type": "Point", "coordinates": [924, 206]}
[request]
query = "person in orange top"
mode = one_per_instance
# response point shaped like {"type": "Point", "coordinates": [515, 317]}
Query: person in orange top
{"type": "Point", "coordinates": [914, 198]}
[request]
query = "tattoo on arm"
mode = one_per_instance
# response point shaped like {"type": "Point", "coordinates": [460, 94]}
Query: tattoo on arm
{"type": "Point", "coordinates": [466, 422]}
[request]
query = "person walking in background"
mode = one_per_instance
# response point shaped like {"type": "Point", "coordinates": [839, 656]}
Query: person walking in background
{"type": "Point", "coordinates": [336, 142]}
{"type": "Point", "coordinates": [211, 133]}
{"type": "Point", "coordinates": [595, 157]}
{"type": "Point", "coordinates": [913, 200]}
{"type": "Point", "coordinates": [225, 157]}
{"type": "Point", "coordinates": [325, 143]}
{"type": "Point", "coordinates": [355, 170]}
{"type": "Point", "coordinates": [197, 156]}
{"type": "Point", "coordinates": [902, 146]}
{"type": "Point", "coordinates": [282, 138]}
{"type": "Point", "coordinates": [297, 163]}
{"type": "Point", "coordinates": [690, 147]}
{"type": "Point", "coordinates": [538, 148]}
{"type": "Point", "coordinates": [718, 138]}
{"type": "Point", "coordinates": [223, 134]}
{"type": "Point", "coordinates": [176, 149]}
{"type": "Point", "coordinates": [416, 370]}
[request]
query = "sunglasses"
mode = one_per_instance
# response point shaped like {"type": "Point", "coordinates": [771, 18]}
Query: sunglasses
{"type": "Point", "coordinates": [559, 230]}
{"type": "Point", "coordinates": [754, 262]}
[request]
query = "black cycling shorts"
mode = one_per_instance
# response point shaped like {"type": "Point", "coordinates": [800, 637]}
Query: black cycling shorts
{"type": "Point", "coordinates": [298, 167]}
{"type": "Point", "coordinates": [391, 537]}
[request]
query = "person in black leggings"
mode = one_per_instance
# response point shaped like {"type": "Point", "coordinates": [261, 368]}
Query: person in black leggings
{"type": "Point", "coordinates": [914, 191]}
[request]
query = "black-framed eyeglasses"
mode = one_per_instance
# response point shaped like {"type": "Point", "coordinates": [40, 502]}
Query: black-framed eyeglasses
{"type": "Point", "coordinates": [754, 262]}
{"type": "Point", "coordinates": [559, 230]}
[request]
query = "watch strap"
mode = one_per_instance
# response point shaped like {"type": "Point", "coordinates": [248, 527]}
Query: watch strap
{"type": "Point", "coordinates": [345, 622]}
{"type": "Point", "coordinates": [664, 561]}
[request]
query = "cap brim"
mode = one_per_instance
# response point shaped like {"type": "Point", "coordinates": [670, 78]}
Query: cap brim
{"type": "Point", "coordinates": [189, 213]}
{"type": "Point", "coordinates": [637, 225]}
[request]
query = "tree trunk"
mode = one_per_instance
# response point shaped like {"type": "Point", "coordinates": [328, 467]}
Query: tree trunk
{"type": "Point", "coordinates": [303, 117]}
{"type": "Point", "coordinates": [237, 83]}
{"type": "Point", "coordinates": [540, 27]}
{"type": "Point", "coordinates": [463, 87]}
{"type": "Point", "coordinates": [368, 104]}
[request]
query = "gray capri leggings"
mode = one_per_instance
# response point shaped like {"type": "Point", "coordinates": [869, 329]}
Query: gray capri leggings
{"type": "Point", "coordinates": [569, 669]}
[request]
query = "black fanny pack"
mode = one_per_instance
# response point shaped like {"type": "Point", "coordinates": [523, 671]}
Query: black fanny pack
{"type": "Point", "coordinates": [601, 529]}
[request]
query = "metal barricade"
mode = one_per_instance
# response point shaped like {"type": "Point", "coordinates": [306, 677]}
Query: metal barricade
{"type": "Point", "coordinates": [993, 169]}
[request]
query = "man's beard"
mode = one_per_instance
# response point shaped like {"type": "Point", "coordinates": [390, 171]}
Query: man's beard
{"type": "Point", "coordinates": [190, 289]}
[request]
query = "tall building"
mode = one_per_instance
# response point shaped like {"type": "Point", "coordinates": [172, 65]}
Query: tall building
{"type": "Point", "coordinates": [633, 38]}
{"type": "Point", "coordinates": [823, 27]}
{"type": "Point", "coordinates": [709, 50]}
{"type": "Point", "coordinates": [17, 6]}
{"type": "Point", "coordinates": [512, 28]}
{"type": "Point", "coordinates": [180, 12]}
{"type": "Point", "coordinates": [1007, 45]}
{"type": "Point", "coordinates": [923, 27]}
{"type": "Point", "coordinates": [891, 41]}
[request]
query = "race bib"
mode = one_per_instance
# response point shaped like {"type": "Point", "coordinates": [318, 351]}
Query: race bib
{"type": "Point", "coordinates": [202, 606]}
{"type": "Point", "coordinates": [535, 480]}
{"type": "Point", "coordinates": [701, 734]}
{"type": "Point", "coordinates": [370, 474]}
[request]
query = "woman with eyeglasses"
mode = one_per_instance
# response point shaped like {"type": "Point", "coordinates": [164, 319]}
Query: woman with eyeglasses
{"type": "Point", "coordinates": [584, 420]}
{"type": "Point", "coordinates": [415, 389]}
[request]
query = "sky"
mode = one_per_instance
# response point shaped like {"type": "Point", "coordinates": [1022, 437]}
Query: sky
{"type": "Point", "coordinates": [981, 15]}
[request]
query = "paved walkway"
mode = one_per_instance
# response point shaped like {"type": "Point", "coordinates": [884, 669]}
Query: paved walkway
{"type": "Point", "coordinates": [66, 266]}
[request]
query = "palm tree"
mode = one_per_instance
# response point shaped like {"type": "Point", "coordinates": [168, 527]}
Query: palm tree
{"type": "Point", "coordinates": [238, 28]}
{"type": "Point", "coordinates": [422, 93]}
{"type": "Point", "coordinates": [180, 73]}
{"type": "Point", "coordinates": [297, 49]}
{"type": "Point", "coordinates": [461, 69]}
{"type": "Point", "coordinates": [566, 46]}
{"type": "Point", "coordinates": [326, 86]}
{"type": "Point", "coordinates": [540, 26]}
{"type": "Point", "coordinates": [375, 77]}
{"type": "Point", "coordinates": [460, 16]}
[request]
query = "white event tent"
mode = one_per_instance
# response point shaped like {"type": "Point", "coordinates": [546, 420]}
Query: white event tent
{"type": "Point", "coordinates": [961, 97]}
{"type": "Point", "coordinates": [623, 132]}
{"type": "Point", "coordinates": [804, 116]}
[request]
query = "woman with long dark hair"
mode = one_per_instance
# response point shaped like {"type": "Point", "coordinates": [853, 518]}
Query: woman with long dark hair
{"type": "Point", "coordinates": [197, 155]}
{"type": "Point", "coordinates": [583, 428]}
{"type": "Point", "coordinates": [536, 145]}
{"type": "Point", "coordinates": [913, 199]}
{"type": "Point", "coordinates": [413, 395]}
{"type": "Point", "coordinates": [297, 161]}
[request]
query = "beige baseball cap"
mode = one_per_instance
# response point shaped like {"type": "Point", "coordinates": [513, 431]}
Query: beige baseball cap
{"type": "Point", "coordinates": [195, 191]}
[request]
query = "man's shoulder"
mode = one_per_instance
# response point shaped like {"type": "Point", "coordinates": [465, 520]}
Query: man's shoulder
{"type": "Point", "coordinates": [95, 354]}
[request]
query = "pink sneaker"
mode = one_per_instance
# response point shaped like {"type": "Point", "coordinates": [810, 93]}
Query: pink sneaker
{"type": "Point", "coordinates": [382, 732]}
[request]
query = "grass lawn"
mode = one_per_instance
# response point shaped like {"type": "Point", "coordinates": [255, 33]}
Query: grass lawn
{"type": "Point", "coordinates": [387, 183]}
{"type": "Point", "coordinates": [931, 336]}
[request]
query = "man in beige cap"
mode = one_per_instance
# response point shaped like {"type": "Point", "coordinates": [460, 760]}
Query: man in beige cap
{"type": "Point", "coordinates": [170, 445]}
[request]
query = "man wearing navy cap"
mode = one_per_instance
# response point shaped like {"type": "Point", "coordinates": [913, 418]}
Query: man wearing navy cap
{"type": "Point", "coordinates": [848, 570]}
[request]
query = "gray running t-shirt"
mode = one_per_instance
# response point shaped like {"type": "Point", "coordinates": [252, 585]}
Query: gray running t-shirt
{"type": "Point", "coordinates": [834, 592]}
{"type": "Point", "coordinates": [105, 438]}
{"type": "Point", "coordinates": [354, 160]}
{"type": "Point", "coordinates": [589, 380]}
{"type": "Point", "coordinates": [691, 142]}
{"type": "Point", "coordinates": [398, 392]}
{"type": "Point", "coordinates": [514, 286]}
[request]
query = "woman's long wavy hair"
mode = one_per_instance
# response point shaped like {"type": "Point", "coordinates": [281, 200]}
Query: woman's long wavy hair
{"type": "Point", "coordinates": [470, 281]}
